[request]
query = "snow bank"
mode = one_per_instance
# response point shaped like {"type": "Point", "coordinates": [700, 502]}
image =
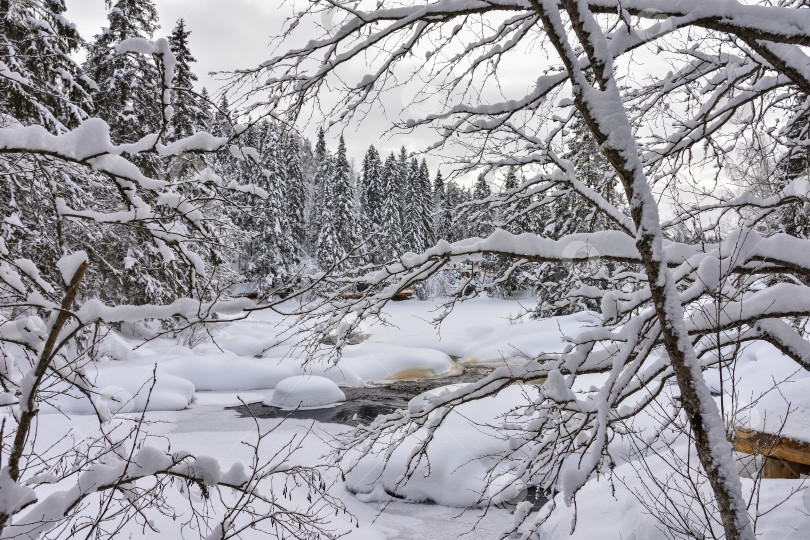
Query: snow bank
{"type": "Point", "coordinates": [607, 508]}
{"type": "Point", "coordinates": [491, 344]}
{"type": "Point", "coordinates": [123, 389]}
{"type": "Point", "coordinates": [223, 372]}
{"type": "Point", "coordinates": [376, 362]}
{"type": "Point", "coordinates": [306, 392]}
{"type": "Point", "coordinates": [461, 456]}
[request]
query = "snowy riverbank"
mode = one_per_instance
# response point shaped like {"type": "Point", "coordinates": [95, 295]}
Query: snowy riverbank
{"type": "Point", "coordinates": [187, 410]}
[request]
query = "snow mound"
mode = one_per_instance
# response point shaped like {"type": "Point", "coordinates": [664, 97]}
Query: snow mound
{"type": "Point", "coordinates": [226, 372]}
{"type": "Point", "coordinates": [463, 456]}
{"type": "Point", "coordinates": [306, 392]}
{"type": "Point", "coordinates": [375, 362]}
{"type": "Point", "coordinates": [121, 390]}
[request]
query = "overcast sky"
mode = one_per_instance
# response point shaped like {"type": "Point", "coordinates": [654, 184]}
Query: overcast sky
{"type": "Point", "coordinates": [232, 34]}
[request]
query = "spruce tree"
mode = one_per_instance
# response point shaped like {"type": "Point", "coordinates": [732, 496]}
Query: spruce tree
{"type": "Point", "coordinates": [205, 107]}
{"type": "Point", "coordinates": [41, 83]}
{"type": "Point", "coordinates": [443, 215]}
{"type": "Point", "coordinates": [293, 187]}
{"type": "Point", "coordinates": [322, 172]}
{"type": "Point", "coordinates": [127, 96]}
{"type": "Point", "coordinates": [189, 114]}
{"type": "Point", "coordinates": [272, 254]}
{"type": "Point", "coordinates": [371, 201]}
{"type": "Point", "coordinates": [402, 191]}
{"type": "Point", "coordinates": [221, 121]}
{"type": "Point", "coordinates": [411, 223]}
{"type": "Point", "coordinates": [514, 215]}
{"type": "Point", "coordinates": [516, 221]}
{"type": "Point", "coordinates": [570, 215]}
{"type": "Point", "coordinates": [482, 218]}
{"type": "Point", "coordinates": [371, 188]}
{"type": "Point", "coordinates": [391, 219]}
{"type": "Point", "coordinates": [459, 224]}
{"type": "Point", "coordinates": [423, 209]}
{"type": "Point", "coordinates": [338, 235]}
{"type": "Point", "coordinates": [794, 219]}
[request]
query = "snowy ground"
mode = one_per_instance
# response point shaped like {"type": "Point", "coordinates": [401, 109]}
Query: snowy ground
{"type": "Point", "coordinates": [195, 385]}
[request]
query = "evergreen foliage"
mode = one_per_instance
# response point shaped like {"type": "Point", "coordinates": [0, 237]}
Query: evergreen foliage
{"type": "Point", "coordinates": [482, 219]}
{"type": "Point", "coordinates": [391, 219]}
{"type": "Point", "coordinates": [338, 234]}
{"type": "Point", "coordinates": [322, 169]}
{"type": "Point", "coordinates": [570, 214]}
{"type": "Point", "coordinates": [372, 195]}
{"type": "Point", "coordinates": [422, 212]}
{"type": "Point", "coordinates": [272, 254]}
{"type": "Point", "coordinates": [40, 83]}
{"type": "Point", "coordinates": [794, 219]}
{"type": "Point", "coordinates": [515, 219]}
{"type": "Point", "coordinates": [293, 190]}
{"type": "Point", "coordinates": [189, 113]}
{"type": "Point", "coordinates": [442, 215]}
{"type": "Point", "coordinates": [457, 196]}
{"type": "Point", "coordinates": [127, 85]}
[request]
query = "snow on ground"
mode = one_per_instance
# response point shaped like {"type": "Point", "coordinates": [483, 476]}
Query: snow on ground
{"type": "Point", "coordinates": [479, 331]}
{"type": "Point", "coordinates": [460, 458]}
{"type": "Point", "coordinates": [306, 392]}
{"type": "Point", "coordinates": [194, 385]}
{"type": "Point", "coordinates": [608, 509]}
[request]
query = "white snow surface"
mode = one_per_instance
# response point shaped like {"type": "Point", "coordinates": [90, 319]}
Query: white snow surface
{"type": "Point", "coordinates": [461, 457]}
{"type": "Point", "coordinates": [194, 385]}
{"type": "Point", "coordinates": [248, 354]}
{"type": "Point", "coordinates": [69, 264]}
{"type": "Point", "coordinates": [306, 392]}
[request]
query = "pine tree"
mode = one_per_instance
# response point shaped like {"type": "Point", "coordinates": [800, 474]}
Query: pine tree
{"type": "Point", "coordinates": [128, 85]}
{"type": "Point", "coordinates": [391, 219]}
{"type": "Point", "coordinates": [443, 215]}
{"type": "Point", "coordinates": [571, 215]}
{"type": "Point", "coordinates": [189, 114]}
{"type": "Point", "coordinates": [41, 83]}
{"type": "Point", "coordinates": [338, 236]}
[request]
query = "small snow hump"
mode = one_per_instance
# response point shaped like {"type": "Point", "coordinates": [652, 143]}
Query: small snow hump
{"type": "Point", "coordinates": [306, 392]}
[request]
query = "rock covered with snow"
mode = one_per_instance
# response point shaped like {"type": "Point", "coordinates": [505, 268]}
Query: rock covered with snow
{"type": "Point", "coordinates": [306, 392]}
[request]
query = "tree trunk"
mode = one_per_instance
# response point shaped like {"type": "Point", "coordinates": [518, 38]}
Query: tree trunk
{"type": "Point", "coordinates": [713, 450]}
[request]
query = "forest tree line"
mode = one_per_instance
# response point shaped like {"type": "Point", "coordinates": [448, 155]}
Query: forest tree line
{"type": "Point", "coordinates": [318, 210]}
